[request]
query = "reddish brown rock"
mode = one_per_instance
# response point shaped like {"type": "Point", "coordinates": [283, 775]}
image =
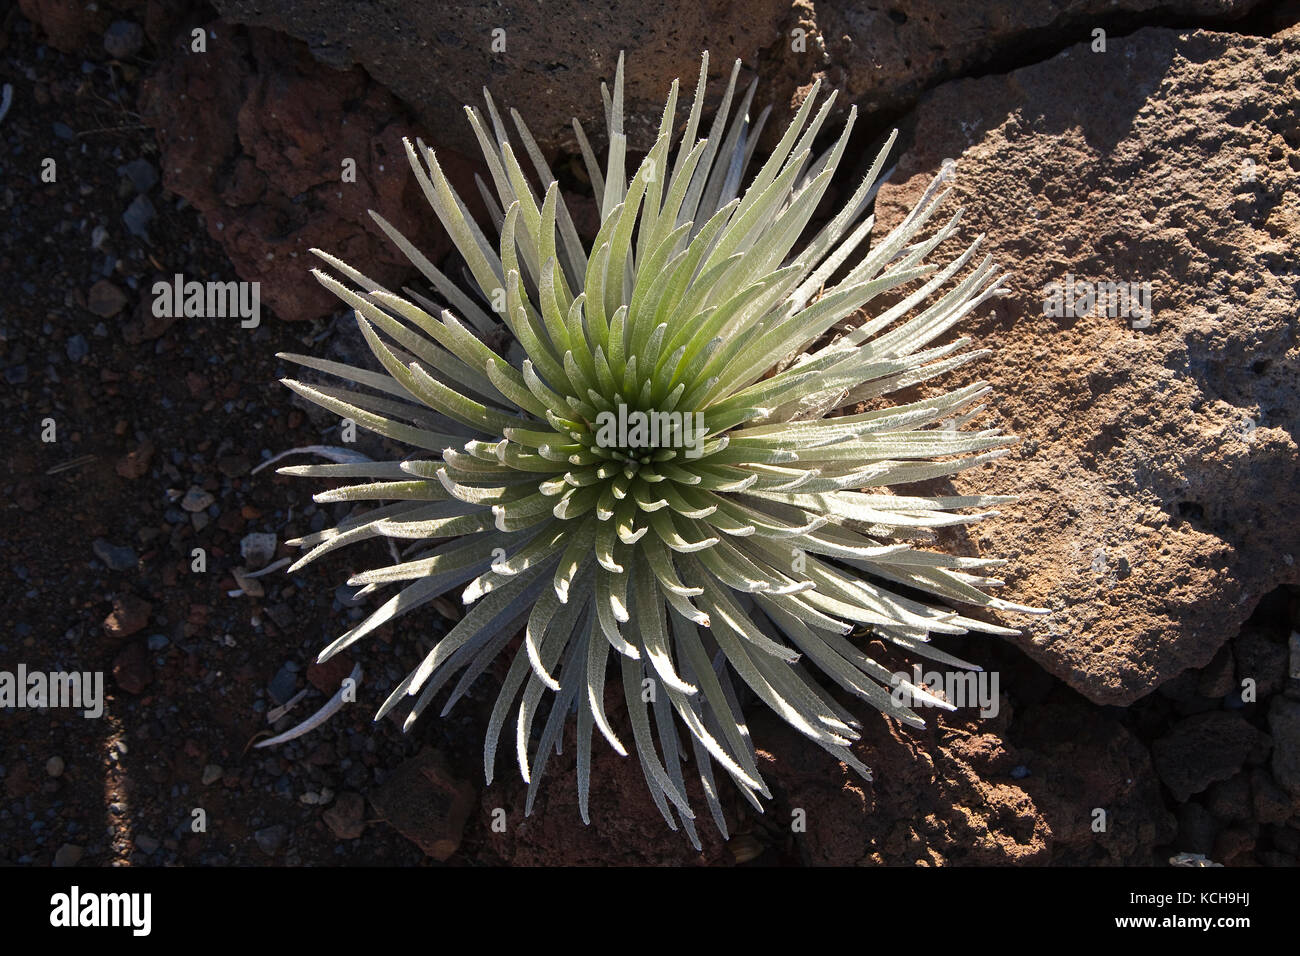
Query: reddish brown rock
{"type": "Point", "coordinates": [426, 803]}
{"type": "Point", "coordinates": [69, 25]}
{"type": "Point", "coordinates": [1157, 472]}
{"type": "Point", "coordinates": [960, 793]}
{"type": "Point", "coordinates": [346, 817]}
{"type": "Point", "coordinates": [131, 668]}
{"type": "Point", "coordinates": [144, 325]}
{"type": "Point", "coordinates": [1022, 787]}
{"type": "Point", "coordinates": [327, 677]}
{"type": "Point", "coordinates": [438, 57]}
{"type": "Point", "coordinates": [270, 183]}
{"type": "Point", "coordinates": [1203, 748]}
{"type": "Point", "coordinates": [77, 26]}
{"type": "Point", "coordinates": [1217, 679]}
{"type": "Point", "coordinates": [881, 57]}
{"type": "Point", "coordinates": [129, 615]}
{"type": "Point", "coordinates": [105, 299]}
{"type": "Point", "coordinates": [135, 464]}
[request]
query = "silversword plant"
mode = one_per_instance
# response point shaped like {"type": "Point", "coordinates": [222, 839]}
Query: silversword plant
{"type": "Point", "coordinates": [748, 551]}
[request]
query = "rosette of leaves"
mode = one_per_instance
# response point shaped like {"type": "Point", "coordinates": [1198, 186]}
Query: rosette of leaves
{"type": "Point", "coordinates": [758, 557]}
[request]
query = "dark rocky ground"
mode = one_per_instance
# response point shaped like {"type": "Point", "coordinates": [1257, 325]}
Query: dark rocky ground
{"type": "Point", "coordinates": [152, 416]}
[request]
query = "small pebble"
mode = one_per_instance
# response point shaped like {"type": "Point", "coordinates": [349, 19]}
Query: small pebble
{"type": "Point", "coordinates": [137, 217]}
{"type": "Point", "coordinates": [141, 173]}
{"type": "Point", "coordinates": [105, 299]}
{"type": "Point", "coordinates": [146, 844]}
{"type": "Point", "coordinates": [196, 500]}
{"type": "Point", "coordinates": [211, 774]}
{"type": "Point", "coordinates": [257, 549]}
{"type": "Point", "coordinates": [77, 348]}
{"type": "Point", "coordinates": [284, 684]}
{"type": "Point", "coordinates": [54, 766]}
{"type": "Point", "coordinates": [68, 855]}
{"type": "Point", "coordinates": [270, 838]}
{"type": "Point", "coordinates": [250, 586]}
{"type": "Point", "coordinates": [123, 39]}
{"type": "Point", "coordinates": [347, 817]}
{"type": "Point", "coordinates": [116, 557]}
